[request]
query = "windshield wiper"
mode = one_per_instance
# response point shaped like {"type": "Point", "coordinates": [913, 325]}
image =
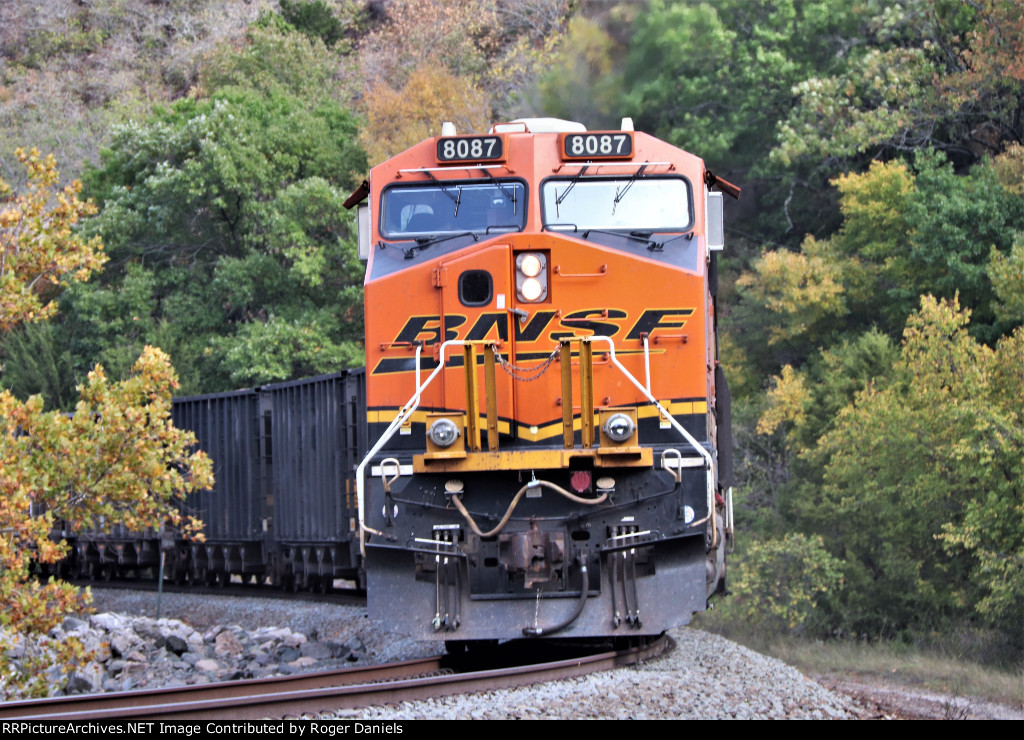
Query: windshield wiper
{"type": "Point", "coordinates": [511, 198]}
{"type": "Point", "coordinates": [644, 237]}
{"type": "Point", "coordinates": [422, 242]}
{"type": "Point", "coordinates": [659, 246]}
{"type": "Point", "coordinates": [455, 200]}
{"type": "Point", "coordinates": [620, 194]}
{"type": "Point", "coordinates": [572, 184]}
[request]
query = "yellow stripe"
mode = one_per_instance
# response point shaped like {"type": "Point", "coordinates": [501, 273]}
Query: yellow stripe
{"type": "Point", "coordinates": [419, 417]}
{"type": "Point", "coordinates": [551, 429]}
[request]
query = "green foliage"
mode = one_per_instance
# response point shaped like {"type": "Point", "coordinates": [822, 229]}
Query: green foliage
{"type": "Point", "coordinates": [313, 18]}
{"type": "Point", "coordinates": [778, 583]}
{"type": "Point", "coordinates": [36, 362]}
{"type": "Point", "coordinates": [220, 215]}
{"type": "Point", "coordinates": [808, 401]}
{"type": "Point", "coordinates": [908, 462]}
{"type": "Point", "coordinates": [1007, 275]}
{"type": "Point", "coordinates": [954, 222]}
{"type": "Point", "coordinates": [904, 233]}
{"type": "Point", "coordinates": [866, 104]}
{"type": "Point", "coordinates": [199, 180]}
{"type": "Point", "coordinates": [278, 349]}
{"type": "Point", "coordinates": [273, 60]}
{"type": "Point", "coordinates": [802, 292]}
{"type": "Point", "coordinates": [936, 75]}
{"type": "Point", "coordinates": [992, 528]}
{"type": "Point", "coordinates": [714, 78]}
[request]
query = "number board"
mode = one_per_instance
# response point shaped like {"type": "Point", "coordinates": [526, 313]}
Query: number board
{"type": "Point", "coordinates": [471, 149]}
{"type": "Point", "coordinates": [597, 145]}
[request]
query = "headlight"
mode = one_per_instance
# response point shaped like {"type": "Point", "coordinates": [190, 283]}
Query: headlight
{"type": "Point", "coordinates": [530, 265]}
{"type": "Point", "coordinates": [531, 289]}
{"type": "Point", "coordinates": [531, 277]}
{"type": "Point", "coordinates": [443, 433]}
{"type": "Point", "coordinates": [619, 428]}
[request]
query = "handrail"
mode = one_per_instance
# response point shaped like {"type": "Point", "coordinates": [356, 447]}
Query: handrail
{"type": "Point", "coordinates": [404, 413]}
{"type": "Point", "coordinates": [601, 272]}
{"type": "Point", "coordinates": [413, 403]}
{"type": "Point", "coordinates": [709, 461]}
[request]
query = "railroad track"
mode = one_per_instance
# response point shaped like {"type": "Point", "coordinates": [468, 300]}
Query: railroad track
{"type": "Point", "coordinates": [313, 694]}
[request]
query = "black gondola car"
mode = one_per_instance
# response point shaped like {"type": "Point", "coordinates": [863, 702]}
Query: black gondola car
{"type": "Point", "coordinates": [317, 432]}
{"type": "Point", "coordinates": [283, 507]}
{"type": "Point", "coordinates": [235, 513]}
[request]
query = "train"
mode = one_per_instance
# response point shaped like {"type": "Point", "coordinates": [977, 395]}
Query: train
{"type": "Point", "coordinates": [548, 421]}
{"type": "Point", "coordinates": [282, 510]}
{"type": "Point", "coordinates": [540, 443]}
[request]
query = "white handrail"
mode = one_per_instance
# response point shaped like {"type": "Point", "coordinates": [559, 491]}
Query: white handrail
{"type": "Point", "coordinates": [404, 413]}
{"type": "Point", "coordinates": [410, 407]}
{"type": "Point", "coordinates": [668, 417]}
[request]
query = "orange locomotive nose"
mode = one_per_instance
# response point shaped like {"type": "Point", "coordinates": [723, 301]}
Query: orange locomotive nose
{"type": "Point", "coordinates": [541, 355]}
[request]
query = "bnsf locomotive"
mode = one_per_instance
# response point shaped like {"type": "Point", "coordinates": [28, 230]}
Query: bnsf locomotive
{"type": "Point", "coordinates": [549, 435]}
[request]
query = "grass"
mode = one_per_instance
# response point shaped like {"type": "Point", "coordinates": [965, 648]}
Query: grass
{"type": "Point", "coordinates": [902, 665]}
{"type": "Point", "coordinates": [945, 666]}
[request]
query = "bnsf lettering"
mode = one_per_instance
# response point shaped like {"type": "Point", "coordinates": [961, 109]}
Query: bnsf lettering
{"type": "Point", "coordinates": [486, 323]}
{"type": "Point", "coordinates": [655, 318]}
{"type": "Point", "coordinates": [582, 321]}
{"type": "Point", "coordinates": [534, 327]}
{"type": "Point", "coordinates": [426, 330]}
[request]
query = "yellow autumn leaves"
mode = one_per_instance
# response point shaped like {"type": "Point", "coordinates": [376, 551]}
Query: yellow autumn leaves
{"type": "Point", "coordinates": [38, 250]}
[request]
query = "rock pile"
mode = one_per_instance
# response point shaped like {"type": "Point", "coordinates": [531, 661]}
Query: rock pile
{"type": "Point", "coordinates": [135, 652]}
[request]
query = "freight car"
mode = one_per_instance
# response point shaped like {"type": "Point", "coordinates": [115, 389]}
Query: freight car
{"type": "Point", "coordinates": [282, 509]}
{"type": "Point", "coordinates": [549, 424]}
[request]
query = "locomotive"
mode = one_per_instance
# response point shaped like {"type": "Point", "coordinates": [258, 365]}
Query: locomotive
{"type": "Point", "coordinates": [549, 441]}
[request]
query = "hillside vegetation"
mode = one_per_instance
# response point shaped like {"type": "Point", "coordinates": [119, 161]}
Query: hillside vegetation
{"type": "Point", "coordinates": [872, 292]}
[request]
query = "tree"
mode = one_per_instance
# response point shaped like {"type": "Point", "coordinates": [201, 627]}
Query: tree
{"type": "Point", "coordinates": [992, 528]}
{"type": "Point", "coordinates": [937, 75]}
{"type": "Point", "coordinates": [906, 231]}
{"type": "Point", "coordinates": [779, 582]}
{"type": "Point", "coordinates": [1006, 271]}
{"type": "Point", "coordinates": [313, 18]}
{"type": "Point", "coordinates": [920, 488]}
{"type": "Point", "coordinates": [39, 252]}
{"type": "Point", "coordinates": [398, 119]}
{"type": "Point", "coordinates": [117, 460]}
{"type": "Point", "coordinates": [272, 60]}
{"type": "Point", "coordinates": [220, 215]}
{"type": "Point", "coordinates": [715, 78]}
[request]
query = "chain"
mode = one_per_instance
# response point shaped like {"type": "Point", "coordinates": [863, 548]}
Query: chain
{"type": "Point", "coordinates": [524, 374]}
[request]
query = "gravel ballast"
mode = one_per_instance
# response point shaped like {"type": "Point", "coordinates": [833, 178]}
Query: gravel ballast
{"type": "Point", "coordinates": [705, 677]}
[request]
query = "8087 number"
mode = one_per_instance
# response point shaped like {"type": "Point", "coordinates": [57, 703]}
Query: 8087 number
{"type": "Point", "coordinates": [470, 149]}
{"type": "Point", "coordinates": [598, 146]}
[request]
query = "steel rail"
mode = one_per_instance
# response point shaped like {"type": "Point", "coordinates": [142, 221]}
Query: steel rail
{"type": "Point", "coordinates": [313, 694]}
{"type": "Point", "coordinates": [94, 705]}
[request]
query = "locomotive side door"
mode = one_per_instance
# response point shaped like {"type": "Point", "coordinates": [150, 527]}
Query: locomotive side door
{"type": "Point", "coordinates": [474, 306]}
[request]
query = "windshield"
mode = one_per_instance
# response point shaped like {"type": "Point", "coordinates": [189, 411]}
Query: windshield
{"type": "Point", "coordinates": [453, 208]}
{"type": "Point", "coordinates": [628, 203]}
